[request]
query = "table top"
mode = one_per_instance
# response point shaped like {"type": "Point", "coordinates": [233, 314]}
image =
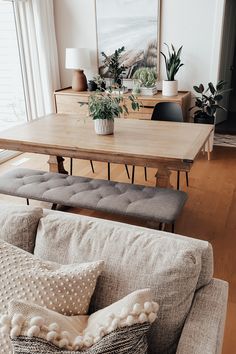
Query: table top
{"type": "Point", "coordinates": [73, 136]}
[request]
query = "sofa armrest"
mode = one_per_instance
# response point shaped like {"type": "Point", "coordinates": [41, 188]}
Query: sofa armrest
{"type": "Point", "coordinates": [203, 330]}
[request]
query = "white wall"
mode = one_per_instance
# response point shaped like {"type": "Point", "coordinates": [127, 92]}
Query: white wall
{"type": "Point", "coordinates": [195, 24]}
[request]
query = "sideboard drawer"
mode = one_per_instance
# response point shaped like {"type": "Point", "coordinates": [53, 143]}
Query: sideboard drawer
{"type": "Point", "coordinates": [71, 104]}
{"type": "Point", "coordinates": [144, 112]}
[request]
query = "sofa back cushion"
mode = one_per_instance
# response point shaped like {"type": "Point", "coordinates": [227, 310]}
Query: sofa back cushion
{"type": "Point", "coordinates": [172, 266]}
{"type": "Point", "coordinates": [19, 225]}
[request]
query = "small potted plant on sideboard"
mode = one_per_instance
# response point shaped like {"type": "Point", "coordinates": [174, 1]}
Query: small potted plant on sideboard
{"type": "Point", "coordinates": [104, 107]}
{"type": "Point", "coordinates": [207, 102]}
{"type": "Point", "coordinates": [146, 78]}
{"type": "Point", "coordinates": [172, 64]}
{"type": "Point", "coordinates": [114, 67]}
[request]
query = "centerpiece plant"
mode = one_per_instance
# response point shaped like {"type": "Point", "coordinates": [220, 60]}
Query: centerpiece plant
{"type": "Point", "coordinates": [104, 107]}
{"type": "Point", "coordinates": [172, 64]}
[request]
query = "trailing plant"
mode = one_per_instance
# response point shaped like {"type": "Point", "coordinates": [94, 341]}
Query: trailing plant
{"type": "Point", "coordinates": [112, 63]}
{"type": "Point", "coordinates": [207, 103]}
{"type": "Point", "coordinates": [172, 61]}
{"type": "Point", "coordinates": [105, 105]}
{"type": "Point", "coordinates": [146, 76]}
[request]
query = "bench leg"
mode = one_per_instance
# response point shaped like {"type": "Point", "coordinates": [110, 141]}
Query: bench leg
{"type": "Point", "coordinates": [54, 206]}
{"type": "Point", "coordinates": [27, 201]}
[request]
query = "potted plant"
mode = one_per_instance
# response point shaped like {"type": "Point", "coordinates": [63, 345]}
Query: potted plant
{"type": "Point", "coordinates": [100, 82]}
{"type": "Point", "coordinates": [104, 107]}
{"type": "Point", "coordinates": [172, 64]}
{"type": "Point", "coordinates": [114, 68]}
{"type": "Point", "coordinates": [146, 78]}
{"type": "Point", "coordinates": [207, 104]}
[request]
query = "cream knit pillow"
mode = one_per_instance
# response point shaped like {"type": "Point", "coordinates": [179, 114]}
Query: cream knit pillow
{"type": "Point", "coordinates": [66, 289]}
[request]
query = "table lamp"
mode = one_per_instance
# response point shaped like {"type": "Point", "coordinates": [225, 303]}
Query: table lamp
{"type": "Point", "coordinates": [78, 59]}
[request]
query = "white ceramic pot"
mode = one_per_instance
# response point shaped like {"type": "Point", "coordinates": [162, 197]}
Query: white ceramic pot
{"type": "Point", "coordinates": [169, 88]}
{"type": "Point", "coordinates": [104, 126]}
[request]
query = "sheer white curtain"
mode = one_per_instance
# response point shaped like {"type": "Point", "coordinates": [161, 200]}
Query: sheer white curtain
{"type": "Point", "coordinates": [38, 51]}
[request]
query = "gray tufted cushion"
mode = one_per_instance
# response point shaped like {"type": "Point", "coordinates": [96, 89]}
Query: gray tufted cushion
{"type": "Point", "coordinates": [148, 203]}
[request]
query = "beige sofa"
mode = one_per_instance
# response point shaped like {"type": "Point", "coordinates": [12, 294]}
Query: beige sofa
{"type": "Point", "coordinates": [178, 269]}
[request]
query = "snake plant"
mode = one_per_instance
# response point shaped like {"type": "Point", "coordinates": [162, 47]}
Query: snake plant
{"type": "Point", "coordinates": [172, 61]}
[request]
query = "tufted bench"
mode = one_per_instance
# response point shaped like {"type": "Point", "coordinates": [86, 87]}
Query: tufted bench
{"type": "Point", "coordinates": [158, 205]}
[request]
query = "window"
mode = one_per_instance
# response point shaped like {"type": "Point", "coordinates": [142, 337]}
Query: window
{"type": "Point", "coordinates": [12, 102]}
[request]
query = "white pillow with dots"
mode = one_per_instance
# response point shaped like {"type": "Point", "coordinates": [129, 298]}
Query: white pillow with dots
{"type": "Point", "coordinates": [66, 289]}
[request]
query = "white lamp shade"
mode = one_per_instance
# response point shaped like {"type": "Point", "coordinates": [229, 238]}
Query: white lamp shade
{"type": "Point", "coordinates": [77, 58]}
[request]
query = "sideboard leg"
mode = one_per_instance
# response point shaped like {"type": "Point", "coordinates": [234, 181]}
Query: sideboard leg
{"type": "Point", "coordinates": [56, 164]}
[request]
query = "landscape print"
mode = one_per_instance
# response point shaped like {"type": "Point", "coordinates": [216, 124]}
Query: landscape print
{"type": "Point", "coordinates": [133, 24]}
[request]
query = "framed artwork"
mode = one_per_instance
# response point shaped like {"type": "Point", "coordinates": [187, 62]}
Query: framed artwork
{"type": "Point", "coordinates": [134, 24]}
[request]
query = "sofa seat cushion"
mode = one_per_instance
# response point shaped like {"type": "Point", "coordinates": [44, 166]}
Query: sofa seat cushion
{"type": "Point", "coordinates": [172, 266]}
{"type": "Point", "coordinates": [19, 225]}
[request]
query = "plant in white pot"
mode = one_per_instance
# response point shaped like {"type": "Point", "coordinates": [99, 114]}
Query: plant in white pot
{"type": "Point", "coordinates": [172, 64]}
{"type": "Point", "coordinates": [146, 78]}
{"type": "Point", "coordinates": [104, 107]}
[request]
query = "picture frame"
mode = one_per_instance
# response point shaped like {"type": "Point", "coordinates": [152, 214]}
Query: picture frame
{"type": "Point", "coordinates": [134, 24]}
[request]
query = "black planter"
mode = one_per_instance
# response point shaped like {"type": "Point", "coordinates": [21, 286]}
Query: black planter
{"type": "Point", "coordinates": [204, 119]}
{"type": "Point", "coordinates": [92, 86]}
{"type": "Point", "coordinates": [103, 86]}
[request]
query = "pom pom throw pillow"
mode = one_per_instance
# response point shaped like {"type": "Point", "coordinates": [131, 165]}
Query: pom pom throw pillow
{"type": "Point", "coordinates": [66, 289]}
{"type": "Point", "coordinates": [118, 328]}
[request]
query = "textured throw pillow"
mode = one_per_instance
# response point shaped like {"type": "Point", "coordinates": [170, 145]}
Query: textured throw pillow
{"type": "Point", "coordinates": [19, 225]}
{"type": "Point", "coordinates": [66, 289]}
{"type": "Point", "coordinates": [118, 328]}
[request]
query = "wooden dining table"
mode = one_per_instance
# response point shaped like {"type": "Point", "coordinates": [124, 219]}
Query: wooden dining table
{"type": "Point", "coordinates": [163, 145]}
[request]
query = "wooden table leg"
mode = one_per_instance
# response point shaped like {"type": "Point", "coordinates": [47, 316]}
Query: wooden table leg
{"type": "Point", "coordinates": [56, 164]}
{"type": "Point", "coordinates": [163, 177]}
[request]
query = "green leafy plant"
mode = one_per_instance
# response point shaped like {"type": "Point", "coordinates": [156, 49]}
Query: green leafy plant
{"type": "Point", "coordinates": [146, 76]}
{"type": "Point", "coordinates": [207, 103]}
{"type": "Point", "coordinates": [112, 63]}
{"type": "Point", "coordinates": [100, 82]}
{"type": "Point", "coordinates": [105, 105]}
{"type": "Point", "coordinates": [172, 62]}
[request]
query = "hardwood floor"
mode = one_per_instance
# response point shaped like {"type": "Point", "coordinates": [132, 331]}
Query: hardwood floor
{"type": "Point", "coordinates": [209, 214]}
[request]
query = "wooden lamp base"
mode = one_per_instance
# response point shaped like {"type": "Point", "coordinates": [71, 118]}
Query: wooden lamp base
{"type": "Point", "coordinates": [79, 81]}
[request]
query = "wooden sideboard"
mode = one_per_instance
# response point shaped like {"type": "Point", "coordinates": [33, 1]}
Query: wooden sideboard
{"type": "Point", "coordinates": [68, 101]}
